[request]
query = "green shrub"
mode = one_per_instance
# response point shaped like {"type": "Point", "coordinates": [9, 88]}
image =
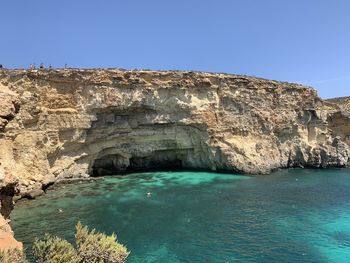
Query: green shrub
{"type": "Point", "coordinates": [54, 250]}
{"type": "Point", "coordinates": [12, 256]}
{"type": "Point", "coordinates": [96, 247]}
{"type": "Point", "coordinates": [92, 247]}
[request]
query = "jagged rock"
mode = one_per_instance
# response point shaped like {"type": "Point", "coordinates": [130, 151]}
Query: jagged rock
{"type": "Point", "coordinates": [7, 240]}
{"type": "Point", "coordinates": [78, 123]}
{"type": "Point", "coordinates": [32, 194]}
{"type": "Point", "coordinates": [9, 106]}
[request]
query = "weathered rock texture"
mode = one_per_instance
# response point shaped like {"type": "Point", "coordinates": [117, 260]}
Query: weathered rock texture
{"type": "Point", "coordinates": [7, 240]}
{"type": "Point", "coordinates": [71, 123]}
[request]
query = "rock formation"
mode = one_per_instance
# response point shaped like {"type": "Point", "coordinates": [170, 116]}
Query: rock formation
{"type": "Point", "coordinates": [59, 124]}
{"type": "Point", "coordinates": [71, 123]}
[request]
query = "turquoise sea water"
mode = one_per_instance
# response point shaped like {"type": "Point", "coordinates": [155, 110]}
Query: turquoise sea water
{"type": "Point", "coordinates": [289, 216]}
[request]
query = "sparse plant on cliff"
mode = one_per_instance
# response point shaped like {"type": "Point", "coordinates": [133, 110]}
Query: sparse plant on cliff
{"type": "Point", "coordinates": [54, 250]}
{"type": "Point", "coordinates": [96, 247]}
{"type": "Point", "coordinates": [12, 256]}
{"type": "Point", "coordinates": [91, 247]}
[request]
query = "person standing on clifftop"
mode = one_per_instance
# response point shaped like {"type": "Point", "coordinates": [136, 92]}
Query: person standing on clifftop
{"type": "Point", "coordinates": [1, 67]}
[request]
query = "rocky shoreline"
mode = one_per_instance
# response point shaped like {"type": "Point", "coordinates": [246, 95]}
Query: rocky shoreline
{"type": "Point", "coordinates": [75, 123]}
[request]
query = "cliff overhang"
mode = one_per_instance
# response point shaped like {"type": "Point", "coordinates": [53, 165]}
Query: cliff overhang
{"type": "Point", "coordinates": [74, 123]}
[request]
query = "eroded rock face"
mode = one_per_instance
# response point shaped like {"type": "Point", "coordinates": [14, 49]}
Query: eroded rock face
{"type": "Point", "coordinates": [7, 240]}
{"type": "Point", "coordinates": [9, 106]}
{"type": "Point", "coordinates": [77, 123]}
{"type": "Point", "coordinates": [339, 120]}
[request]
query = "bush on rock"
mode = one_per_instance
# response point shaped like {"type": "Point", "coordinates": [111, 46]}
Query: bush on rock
{"type": "Point", "coordinates": [91, 247]}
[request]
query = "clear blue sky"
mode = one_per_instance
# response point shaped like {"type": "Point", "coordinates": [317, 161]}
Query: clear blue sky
{"type": "Point", "coordinates": [305, 41]}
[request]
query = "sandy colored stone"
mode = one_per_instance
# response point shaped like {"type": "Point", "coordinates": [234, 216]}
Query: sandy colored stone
{"type": "Point", "coordinates": [74, 123]}
{"type": "Point", "coordinates": [67, 124]}
{"type": "Point", "coordinates": [7, 240]}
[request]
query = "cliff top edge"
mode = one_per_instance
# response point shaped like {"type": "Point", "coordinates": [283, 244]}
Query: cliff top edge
{"type": "Point", "coordinates": [176, 74]}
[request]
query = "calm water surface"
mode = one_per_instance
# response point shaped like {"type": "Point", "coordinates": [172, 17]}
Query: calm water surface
{"type": "Point", "coordinates": [289, 216]}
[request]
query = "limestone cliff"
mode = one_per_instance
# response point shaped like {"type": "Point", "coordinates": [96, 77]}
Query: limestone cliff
{"type": "Point", "coordinates": [71, 123]}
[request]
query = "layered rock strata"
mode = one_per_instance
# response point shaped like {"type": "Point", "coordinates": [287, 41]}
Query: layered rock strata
{"type": "Point", "coordinates": [72, 123]}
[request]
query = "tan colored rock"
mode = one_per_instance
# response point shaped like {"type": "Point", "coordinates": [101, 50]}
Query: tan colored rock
{"type": "Point", "coordinates": [62, 124]}
{"type": "Point", "coordinates": [9, 106]}
{"type": "Point", "coordinates": [7, 191]}
{"type": "Point", "coordinates": [7, 240]}
{"type": "Point", "coordinates": [77, 123]}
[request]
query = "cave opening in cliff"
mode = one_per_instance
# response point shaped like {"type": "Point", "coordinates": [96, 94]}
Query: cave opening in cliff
{"type": "Point", "coordinates": [112, 164]}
